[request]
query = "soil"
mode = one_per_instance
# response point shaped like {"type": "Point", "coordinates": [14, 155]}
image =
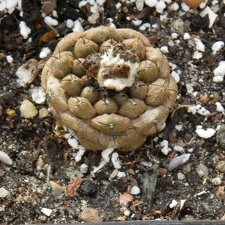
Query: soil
{"type": "Point", "coordinates": [40, 155]}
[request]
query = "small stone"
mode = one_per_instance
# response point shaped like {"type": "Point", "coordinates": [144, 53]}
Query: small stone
{"type": "Point", "coordinates": [211, 15]}
{"type": "Point", "coordinates": [90, 215]}
{"type": "Point", "coordinates": [27, 72]}
{"type": "Point", "coordinates": [48, 7]}
{"type": "Point", "coordinates": [43, 112]}
{"type": "Point", "coordinates": [173, 203]}
{"type": "Point", "coordinates": [220, 192]}
{"type": "Point", "coordinates": [46, 211]}
{"type": "Point", "coordinates": [202, 170]}
{"type": "Point", "coordinates": [125, 198]}
{"type": "Point", "coordinates": [180, 176]}
{"type": "Point", "coordinates": [73, 185]}
{"type": "Point", "coordinates": [220, 137]}
{"type": "Point", "coordinates": [56, 188]}
{"type": "Point", "coordinates": [27, 109]}
{"type": "Point", "coordinates": [162, 171]}
{"type": "Point", "coordinates": [208, 133]}
{"type": "Point", "coordinates": [216, 181]}
{"type": "Point", "coordinates": [223, 217]}
{"type": "Point", "coordinates": [3, 192]}
{"type": "Point", "coordinates": [83, 168]}
{"type": "Point", "coordinates": [193, 3]}
{"type": "Point", "coordinates": [5, 158]}
{"type": "Point", "coordinates": [148, 184]}
{"type": "Point", "coordinates": [38, 95]}
{"type": "Point", "coordinates": [135, 190]}
{"type": "Point", "coordinates": [126, 212]}
{"type": "Point", "coordinates": [221, 166]}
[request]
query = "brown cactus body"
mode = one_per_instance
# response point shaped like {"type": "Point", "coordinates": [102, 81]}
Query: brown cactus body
{"type": "Point", "coordinates": [109, 86]}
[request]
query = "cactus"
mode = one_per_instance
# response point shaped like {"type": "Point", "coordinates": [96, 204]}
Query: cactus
{"type": "Point", "coordinates": [109, 86]}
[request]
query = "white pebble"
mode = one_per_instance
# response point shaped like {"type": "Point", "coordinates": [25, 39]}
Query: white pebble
{"type": "Point", "coordinates": [176, 76]}
{"type": "Point", "coordinates": [151, 3]}
{"type": "Point", "coordinates": [82, 3]}
{"type": "Point", "coordinates": [27, 109]}
{"type": "Point", "coordinates": [200, 193]}
{"type": "Point", "coordinates": [145, 26]}
{"type": "Point", "coordinates": [179, 127]}
{"type": "Point", "coordinates": [126, 212]}
{"type": "Point", "coordinates": [121, 174]}
{"type": "Point", "coordinates": [208, 133]}
{"type": "Point", "coordinates": [202, 5]}
{"type": "Point", "coordinates": [217, 46]}
{"type": "Point", "coordinates": [174, 35]}
{"type": "Point", "coordinates": [173, 203]}
{"type": "Point", "coordinates": [24, 29]}
{"type": "Point", "coordinates": [203, 111]}
{"type": "Point", "coordinates": [219, 72]}
{"type": "Point", "coordinates": [178, 148]}
{"type": "Point", "coordinates": [194, 109]}
{"type": "Point", "coordinates": [50, 21]}
{"type": "Point", "coordinates": [219, 107]}
{"type": "Point", "coordinates": [113, 174]}
{"type": "Point", "coordinates": [11, 4]}
{"type": "Point", "coordinates": [73, 143]}
{"type": "Point", "coordinates": [135, 190]}
{"type": "Point", "coordinates": [77, 26]}
{"type": "Point", "coordinates": [106, 153]}
{"type": "Point", "coordinates": [43, 112]}
{"type": "Point", "coordinates": [80, 153]}
{"type": "Point", "coordinates": [164, 49]}
{"type": "Point", "coordinates": [160, 6]}
{"type": "Point", "coordinates": [3, 192]}
{"type": "Point", "coordinates": [186, 36]}
{"type": "Point", "coordinates": [146, 163]}
{"type": "Point", "coordinates": [197, 55]}
{"type": "Point", "coordinates": [25, 76]}
{"type": "Point", "coordinates": [2, 6]}
{"type": "Point", "coordinates": [165, 147]}
{"type": "Point", "coordinates": [9, 58]}
{"type": "Point", "coordinates": [202, 170]}
{"type": "Point", "coordinates": [177, 161]}
{"type": "Point", "coordinates": [115, 160]}
{"type": "Point", "coordinates": [83, 168]}
{"type": "Point", "coordinates": [44, 52]}
{"type": "Point", "coordinates": [189, 88]}
{"type": "Point", "coordinates": [180, 176]}
{"type": "Point", "coordinates": [185, 7]}
{"type": "Point", "coordinates": [38, 95]}
{"type": "Point", "coordinates": [136, 22]}
{"type": "Point", "coordinates": [118, 5]}
{"type": "Point", "coordinates": [46, 211]}
{"type": "Point", "coordinates": [70, 23]}
{"type": "Point", "coordinates": [55, 14]}
{"type": "Point", "coordinates": [5, 158]}
{"type": "Point", "coordinates": [101, 165]}
{"type": "Point", "coordinates": [199, 45]}
{"type": "Point", "coordinates": [216, 181]}
{"type": "Point", "coordinates": [105, 159]}
{"type": "Point", "coordinates": [93, 18]}
{"type": "Point", "coordinates": [174, 6]}
{"type": "Point", "coordinates": [139, 5]}
{"type": "Point", "coordinates": [211, 14]}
